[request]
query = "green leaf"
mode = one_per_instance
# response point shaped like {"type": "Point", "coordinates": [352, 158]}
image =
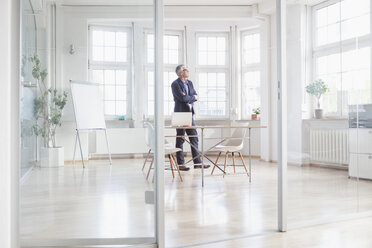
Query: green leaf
{"type": "Point", "coordinates": [317, 88]}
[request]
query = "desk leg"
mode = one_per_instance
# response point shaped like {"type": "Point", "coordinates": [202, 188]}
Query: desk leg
{"type": "Point", "coordinates": [250, 156]}
{"type": "Point", "coordinates": [202, 150]}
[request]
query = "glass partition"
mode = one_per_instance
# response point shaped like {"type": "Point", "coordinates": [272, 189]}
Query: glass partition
{"type": "Point", "coordinates": [89, 185]}
{"type": "Point", "coordinates": [234, 205]}
{"type": "Point", "coordinates": [27, 90]}
{"type": "Point", "coordinates": [329, 97]}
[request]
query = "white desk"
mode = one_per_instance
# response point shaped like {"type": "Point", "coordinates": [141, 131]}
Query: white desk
{"type": "Point", "coordinates": [221, 127]}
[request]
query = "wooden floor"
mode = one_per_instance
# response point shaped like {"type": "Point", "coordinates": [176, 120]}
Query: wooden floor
{"type": "Point", "coordinates": [108, 202]}
{"type": "Point", "coordinates": [347, 234]}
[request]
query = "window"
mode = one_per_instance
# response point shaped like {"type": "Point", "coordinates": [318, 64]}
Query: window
{"type": "Point", "coordinates": [251, 48]}
{"type": "Point", "coordinates": [168, 78]}
{"type": "Point", "coordinates": [251, 73]}
{"type": "Point", "coordinates": [109, 66]}
{"type": "Point", "coordinates": [212, 69]}
{"type": "Point", "coordinates": [212, 94]}
{"type": "Point", "coordinates": [172, 57]}
{"type": "Point", "coordinates": [344, 66]}
{"type": "Point", "coordinates": [212, 50]}
{"type": "Point", "coordinates": [342, 20]}
{"type": "Point", "coordinates": [348, 77]}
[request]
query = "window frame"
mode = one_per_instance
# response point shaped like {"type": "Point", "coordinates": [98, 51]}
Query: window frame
{"type": "Point", "coordinates": [338, 47]}
{"type": "Point", "coordinates": [214, 69]}
{"type": "Point", "coordinates": [101, 65]}
{"type": "Point", "coordinates": [249, 68]}
{"type": "Point", "coordinates": [166, 67]}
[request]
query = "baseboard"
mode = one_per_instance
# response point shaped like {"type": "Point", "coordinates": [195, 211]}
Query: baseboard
{"type": "Point", "coordinates": [141, 155]}
{"type": "Point", "coordinates": [113, 156]}
{"type": "Point", "coordinates": [253, 156]}
{"type": "Point", "coordinates": [118, 156]}
{"type": "Point", "coordinates": [76, 161]}
{"type": "Point", "coordinates": [329, 166]}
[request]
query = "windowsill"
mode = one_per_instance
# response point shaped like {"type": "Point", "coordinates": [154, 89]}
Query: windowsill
{"type": "Point", "coordinates": [243, 120]}
{"type": "Point", "coordinates": [118, 121]}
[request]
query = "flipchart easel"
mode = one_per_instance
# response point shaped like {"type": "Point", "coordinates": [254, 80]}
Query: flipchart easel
{"type": "Point", "coordinates": [88, 110]}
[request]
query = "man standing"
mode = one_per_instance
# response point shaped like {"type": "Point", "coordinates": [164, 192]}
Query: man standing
{"type": "Point", "coordinates": [184, 96]}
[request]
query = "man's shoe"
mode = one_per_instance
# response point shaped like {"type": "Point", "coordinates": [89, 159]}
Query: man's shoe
{"type": "Point", "coordinates": [198, 166]}
{"type": "Point", "coordinates": [183, 167]}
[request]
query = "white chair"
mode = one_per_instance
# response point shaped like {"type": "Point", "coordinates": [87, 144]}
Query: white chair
{"type": "Point", "coordinates": [150, 141]}
{"type": "Point", "coordinates": [232, 145]}
{"type": "Point", "coordinates": [169, 151]}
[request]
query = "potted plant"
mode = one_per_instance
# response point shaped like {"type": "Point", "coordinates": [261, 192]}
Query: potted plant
{"type": "Point", "coordinates": [256, 113]}
{"type": "Point", "coordinates": [48, 115]}
{"type": "Point", "coordinates": [317, 89]}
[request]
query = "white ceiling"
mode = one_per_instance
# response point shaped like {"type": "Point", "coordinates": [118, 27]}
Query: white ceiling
{"type": "Point", "coordinates": [182, 2]}
{"type": "Point", "coordinates": [264, 6]}
{"type": "Point", "coordinates": [166, 2]}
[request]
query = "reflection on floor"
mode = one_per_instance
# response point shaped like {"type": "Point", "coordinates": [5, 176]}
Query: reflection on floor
{"type": "Point", "coordinates": [108, 202]}
{"type": "Point", "coordinates": [96, 202]}
{"type": "Point", "coordinates": [355, 233]}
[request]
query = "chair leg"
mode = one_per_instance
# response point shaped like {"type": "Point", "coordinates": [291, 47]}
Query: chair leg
{"type": "Point", "coordinates": [176, 165]}
{"type": "Point", "coordinates": [147, 157]}
{"type": "Point", "coordinates": [245, 167]}
{"type": "Point", "coordinates": [226, 158]}
{"type": "Point", "coordinates": [148, 173]}
{"type": "Point", "coordinates": [233, 158]}
{"type": "Point", "coordinates": [171, 165]}
{"type": "Point", "coordinates": [214, 167]}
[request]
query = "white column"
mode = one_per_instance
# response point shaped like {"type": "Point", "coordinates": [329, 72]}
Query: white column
{"type": "Point", "coordinates": [265, 91]}
{"type": "Point", "coordinates": [282, 114]}
{"type": "Point", "coordinates": [159, 123]}
{"type": "Point", "coordinates": [9, 124]}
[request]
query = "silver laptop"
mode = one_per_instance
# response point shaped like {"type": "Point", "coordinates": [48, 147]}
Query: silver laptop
{"type": "Point", "coordinates": [181, 119]}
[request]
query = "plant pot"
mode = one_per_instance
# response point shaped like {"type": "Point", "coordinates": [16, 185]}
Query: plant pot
{"type": "Point", "coordinates": [52, 157]}
{"type": "Point", "coordinates": [318, 113]}
{"type": "Point", "coordinates": [255, 117]}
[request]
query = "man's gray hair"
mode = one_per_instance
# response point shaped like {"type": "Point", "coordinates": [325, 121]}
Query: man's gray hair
{"type": "Point", "coordinates": [179, 69]}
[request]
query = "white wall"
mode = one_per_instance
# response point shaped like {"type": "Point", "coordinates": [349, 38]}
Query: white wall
{"type": "Point", "coordinates": [72, 25]}
{"type": "Point", "coordinates": [273, 93]}
{"type": "Point", "coordinates": [9, 125]}
{"type": "Point", "coordinates": [265, 134]}
{"type": "Point", "coordinates": [295, 79]}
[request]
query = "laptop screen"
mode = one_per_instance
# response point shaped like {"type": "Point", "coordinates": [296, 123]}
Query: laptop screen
{"type": "Point", "coordinates": [181, 119]}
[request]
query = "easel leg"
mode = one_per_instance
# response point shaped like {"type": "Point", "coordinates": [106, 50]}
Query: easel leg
{"type": "Point", "coordinates": [73, 158]}
{"type": "Point", "coordinates": [108, 147]}
{"type": "Point", "coordinates": [81, 150]}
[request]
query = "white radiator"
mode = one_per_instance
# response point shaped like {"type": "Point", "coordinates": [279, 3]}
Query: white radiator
{"type": "Point", "coordinates": [329, 146]}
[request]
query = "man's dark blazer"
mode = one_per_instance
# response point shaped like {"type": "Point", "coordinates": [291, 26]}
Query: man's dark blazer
{"type": "Point", "coordinates": [181, 98]}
